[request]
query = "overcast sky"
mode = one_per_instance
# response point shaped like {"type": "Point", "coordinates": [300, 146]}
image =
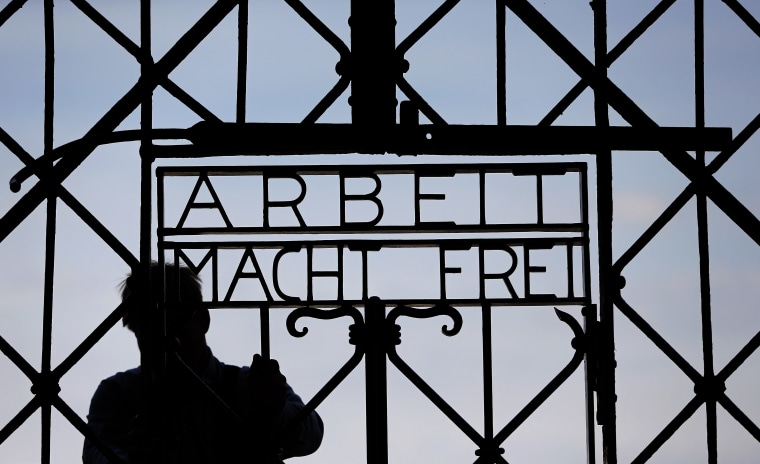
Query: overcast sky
{"type": "Point", "coordinates": [453, 68]}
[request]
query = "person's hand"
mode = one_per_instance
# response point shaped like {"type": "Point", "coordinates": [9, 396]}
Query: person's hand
{"type": "Point", "coordinates": [267, 387]}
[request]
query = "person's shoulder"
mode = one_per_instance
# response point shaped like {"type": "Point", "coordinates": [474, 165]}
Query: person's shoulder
{"type": "Point", "coordinates": [123, 380]}
{"type": "Point", "coordinates": [129, 373]}
{"type": "Point", "coordinates": [119, 391]}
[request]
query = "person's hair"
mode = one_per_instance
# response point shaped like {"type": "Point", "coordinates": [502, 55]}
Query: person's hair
{"type": "Point", "coordinates": [181, 283]}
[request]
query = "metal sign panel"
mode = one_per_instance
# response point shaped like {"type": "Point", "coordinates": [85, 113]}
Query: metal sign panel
{"type": "Point", "coordinates": [304, 235]}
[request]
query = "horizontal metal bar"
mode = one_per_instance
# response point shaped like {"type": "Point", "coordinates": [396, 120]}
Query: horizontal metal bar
{"type": "Point", "coordinates": [534, 302]}
{"type": "Point", "coordinates": [210, 139]}
{"type": "Point", "coordinates": [360, 170]}
{"type": "Point", "coordinates": [460, 244]}
{"type": "Point", "coordinates": [366, 228]}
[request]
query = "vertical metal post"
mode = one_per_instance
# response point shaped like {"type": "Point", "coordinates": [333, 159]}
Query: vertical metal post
{"type": "Point", "coordinates": [47, 318]}
{"type": "Point", "coordinates": [152, 356]}
{"type": "Point", "coordinates": [242, 64]}
{"type": "Point", "coordinates": [501, 63]}
{"type": "Point", "coordinates": [703, 239]}
{"type": "Point", "coordinates": [373, 65]}
{"type": "Point", "coordinates": [607, 282]}
{"type": "Point", "coordinates": [376, 382]}
{"type": "Point", "coordinates": [590, 318]}
{"type": "Point", "coordinates": [487, 373]}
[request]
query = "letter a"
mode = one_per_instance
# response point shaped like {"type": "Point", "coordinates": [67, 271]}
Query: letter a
{"type": "Point", "coordinates": [192, 203]}
{"type": "Point", "coordinates": [240, 274]}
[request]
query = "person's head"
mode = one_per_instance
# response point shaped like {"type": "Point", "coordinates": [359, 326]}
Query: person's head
{"type": "Point", "coordinates": [186, 318]}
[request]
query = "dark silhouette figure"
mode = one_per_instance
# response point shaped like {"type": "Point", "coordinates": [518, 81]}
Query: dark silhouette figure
{"type": "Point", "coordinates": [200, 429]}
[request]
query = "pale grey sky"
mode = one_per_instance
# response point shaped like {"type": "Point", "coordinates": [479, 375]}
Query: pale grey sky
{"type": "Point", "coordinates": [453, 68]}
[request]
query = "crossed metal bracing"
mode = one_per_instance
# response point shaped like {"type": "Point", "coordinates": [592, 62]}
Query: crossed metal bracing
{"type": "Point", "coordinates": [373, 67]}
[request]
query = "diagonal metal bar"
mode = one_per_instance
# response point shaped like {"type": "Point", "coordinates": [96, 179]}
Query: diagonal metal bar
{"type": "Point", "coordinates": [186, 99]}
{"type": "Point", "coordinates": [688, 411]}
{"type": "Point", "coordinates": [327, 100]}
{"type": "Point", "coordinates": [17, 359]}
{"type": "Point", "coordinates": [425, 26]}
{"type": "Point", "coordinates": [551, 387]}
{"type": "Point", "coordinates": [433, 396]}
{"type": "Point", "coordinates": [80, 425]}
{"type": "Point", "coordinates": [745, 15]}
{"type": "Point", "coordinates": [15, 148]}
{"type": "Point", "coordinates": [134, 50]}
{"type": "Point", "coordinates": [123, 108]}
{"type": "Point", "coordinates": [540, 398]}
{"type": "Point", "coordinates": [739, 359]}
{"type": "Point", "coordinates": [423, 106]}
{"type": "Point", "coordinates": [654, 229]}
{"type": "Point", "coordinates": [629, 39]}
{"type": "Point", "coordinates": [682, 161]}
{"type": "Point", "coordinates": [102, 231]}
{"type": "Point", "coordinates": [733, 208]}
{"type": "Point", "coordinates": [739, 415]}
{"type": "Point", "coordinates": [563, 104]}
{"type": "Point", "coordinates": [10, 9]}
{"type": "Point", "coordinates": [92, 339]}
{"type": "Point", "coordinates": [71, 201]}
{"type": "Point", "coordinates": [741, 138]}
{"type": "Point", "coordinates": [19, 419]}
{"type": "Point", "coordinates": [657, 339]}
{"type": "Point", "coordinates": [320, 27]}
{"type": "Point", "coordinates": [339, 46]}
{"type": "Point", "coordinates": [615, 53]}
{"type": "Point", "coordinates": [322, 394]}
{"type": "Point", "coordinates": [109, 28]}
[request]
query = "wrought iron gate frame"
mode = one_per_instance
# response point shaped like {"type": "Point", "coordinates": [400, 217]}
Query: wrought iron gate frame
{"type": "Point", "coordinates": [374, 67]}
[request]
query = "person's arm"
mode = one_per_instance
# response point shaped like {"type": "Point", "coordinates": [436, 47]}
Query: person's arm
{"type": "Point", "coordinates": [276, 405]}
{"type": "Point", "coordinates": [307, 436]}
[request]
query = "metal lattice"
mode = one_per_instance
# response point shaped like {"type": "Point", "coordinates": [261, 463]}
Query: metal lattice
{"type": "Point", "coordinates": [374, 67]}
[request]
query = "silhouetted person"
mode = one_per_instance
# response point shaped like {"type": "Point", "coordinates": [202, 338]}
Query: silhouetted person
{"type": "Point", "coordinates": [199, 429]}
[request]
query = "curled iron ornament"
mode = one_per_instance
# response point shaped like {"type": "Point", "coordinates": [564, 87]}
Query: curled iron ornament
{"type": "Point", "coordinates": [424, 313]}
{"type": "Point", "coordinates": [578, 342]}
{"type": "Point", "coordinates": [323, 314]}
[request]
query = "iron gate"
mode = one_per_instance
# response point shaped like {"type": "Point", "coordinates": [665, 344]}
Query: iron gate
{"type": "Point", "coordinates": [375, 66]}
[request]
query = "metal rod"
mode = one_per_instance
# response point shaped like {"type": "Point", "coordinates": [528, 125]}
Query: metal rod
{"type": "Point", "coordinates": [487, 373]}
{"type": "Point", "coordinates": [703, 236]}
{"type": "Point", "coordinates": [501, 64]}
{"type": "Point", "coordinates": [373, 61]}
{"type": "Point", "coordinates": [266, 350]}
{"type": "Point", "coordinates": [51, 221]}
{"type": "Point", "coordinates": [242, 63]}
{"type": "Point", "coordinates": [612, 56]}
{"type": "Point", "coordinates": [681, 418]}
{"type": "Point", "coordinates": [116, 115]}
{"type": "Point", "coordinates": [607, 397]}
{"type": "Point", "coordinates": [376, 382]}
{"type": "Point", "coordinates": [439, 138]}
{"type": "Point", "coordinates": [8, 10]}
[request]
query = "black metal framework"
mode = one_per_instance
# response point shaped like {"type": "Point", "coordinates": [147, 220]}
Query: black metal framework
{"type": "Point", "coordinates": [374, 68]}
